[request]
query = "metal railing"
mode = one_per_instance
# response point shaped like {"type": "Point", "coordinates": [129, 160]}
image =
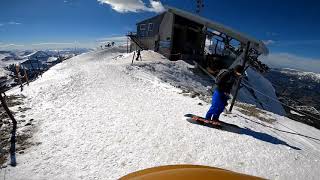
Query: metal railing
{"type": "Point", "coordinates": [134, 37]}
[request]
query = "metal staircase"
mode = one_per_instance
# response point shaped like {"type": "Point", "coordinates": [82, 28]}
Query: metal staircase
{"type": "Point", "coordinates": [135, 39]}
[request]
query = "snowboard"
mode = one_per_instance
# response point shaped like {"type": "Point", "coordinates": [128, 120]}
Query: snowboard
{"type": "Point", "coordinates": [200, 120]}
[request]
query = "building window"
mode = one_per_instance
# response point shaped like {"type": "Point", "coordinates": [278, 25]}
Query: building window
{"type": "Point", "coordinates": [150, 27]}
{"type": "Point", "coordinates": [142, 27]}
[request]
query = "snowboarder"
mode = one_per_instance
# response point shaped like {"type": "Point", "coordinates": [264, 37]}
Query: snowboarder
{"type": "Point", "coordinates": [225, 80]}
{"type": "Point", "coordinates": [138, 55]}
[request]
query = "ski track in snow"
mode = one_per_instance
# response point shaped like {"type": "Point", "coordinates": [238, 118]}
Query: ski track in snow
{"type": "Point", "coordinates": [96, 121]}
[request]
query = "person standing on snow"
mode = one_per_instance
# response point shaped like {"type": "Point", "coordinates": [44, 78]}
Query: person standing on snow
{"type": "Point", "coordinates": [138, 55]}
{"type": "Point", "coordinates": [225, 80]}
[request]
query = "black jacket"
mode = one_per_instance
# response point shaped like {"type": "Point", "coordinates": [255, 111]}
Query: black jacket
{"type": "Point", "coordinates": [226, 81]}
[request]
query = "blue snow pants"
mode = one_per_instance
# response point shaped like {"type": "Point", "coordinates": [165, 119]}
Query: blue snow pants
{"type": "Point", "coordinates": [219, 101]}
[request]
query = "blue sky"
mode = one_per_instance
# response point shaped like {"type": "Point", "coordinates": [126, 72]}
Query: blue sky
{"type": "Point", "coordinates": [287, 26]}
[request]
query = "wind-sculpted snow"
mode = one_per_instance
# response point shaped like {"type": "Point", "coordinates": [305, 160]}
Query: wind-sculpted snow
{"type": "Point", "coordinates": [95, 120]}
{"type": "Point", "coordinates": [260, 93]}
{"type": "Point", "coordinates": [177, 74]}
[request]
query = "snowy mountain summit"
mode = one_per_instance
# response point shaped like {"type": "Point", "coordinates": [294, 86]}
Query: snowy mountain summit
{"type": "Point", "coordinates": [302, 74]}
{"type": "Point", "coordinates": [97, 116]}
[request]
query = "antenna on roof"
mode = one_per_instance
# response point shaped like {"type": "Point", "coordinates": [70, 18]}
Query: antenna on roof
{"type": "Point", "coordinates": [199, 6]}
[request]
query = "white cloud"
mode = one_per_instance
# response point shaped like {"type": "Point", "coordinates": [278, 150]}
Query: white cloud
{"type": "Point", "coordinates": [51, 43]}
{"type": "Point", "coordinates": [14, 23]}
{"type": "Point", "coordinates": [268, 42]}
{"type": "Point", "coordinates": [286, 60]}
{"type": "Point", "coordinates": [48, 45]}
{"type": "Point", "coordinates": [309, 42]}
{"type": "Point", "coordinates": [117, 39]}
{"type": "Point", "coordinates": [157, 6]}
{"type": "Point", "coordinates": [113, 38]}
{"type": "Point", "coordinates": [125, 6]}
{"type": "Point", "coordinates": [4, 46]}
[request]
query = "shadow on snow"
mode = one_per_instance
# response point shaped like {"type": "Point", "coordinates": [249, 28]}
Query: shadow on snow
{"type": "Point", "coordinates": [245, 131]}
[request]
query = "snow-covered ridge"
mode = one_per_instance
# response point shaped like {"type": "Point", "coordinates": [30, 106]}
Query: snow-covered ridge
{"type": "Point", "coordinates": [98, 119]}
{"type": "Point", "coordinates": [302, 74]}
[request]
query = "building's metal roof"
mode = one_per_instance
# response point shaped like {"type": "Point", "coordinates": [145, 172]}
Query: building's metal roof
{"type": "Point", "coordinates": [154, 17]}
{"type": "Point", "coordinates": [256, 44]}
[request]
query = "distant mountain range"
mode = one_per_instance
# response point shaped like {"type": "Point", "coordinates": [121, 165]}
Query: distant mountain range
{"type": "Point", "coordinates": [300, 90]}
{"type": "Point", "coordinates": [11, 57]}
{"type": "Point", "coordinates": [32, 61]}
{"type": "Point", "coordinates": [18, 55]}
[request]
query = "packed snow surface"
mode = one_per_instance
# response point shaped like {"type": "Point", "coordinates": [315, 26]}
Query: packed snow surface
{"type": "Point", "coordinates": [98, 117]}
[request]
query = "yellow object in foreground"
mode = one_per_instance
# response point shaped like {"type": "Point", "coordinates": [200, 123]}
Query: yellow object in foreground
{"type": "Point", "coordinates": [186, 172]}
